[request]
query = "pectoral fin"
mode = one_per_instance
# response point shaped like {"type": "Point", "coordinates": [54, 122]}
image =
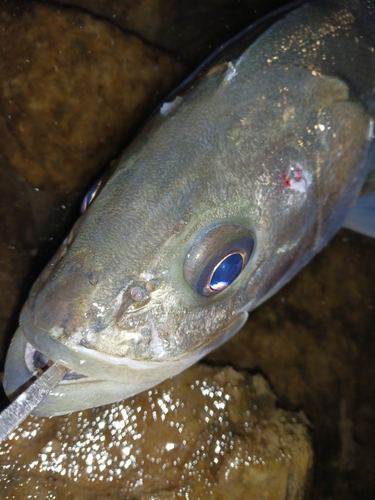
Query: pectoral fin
{"type": "Point", "coordinates": [361, 217]}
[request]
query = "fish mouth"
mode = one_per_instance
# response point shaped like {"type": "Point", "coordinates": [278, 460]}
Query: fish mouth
{"type": "Point", "coordinates": [93, 378]}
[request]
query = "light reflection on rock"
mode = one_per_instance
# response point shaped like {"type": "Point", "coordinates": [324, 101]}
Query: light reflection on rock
{"type": "Point", "coordinates": [207, 433]}
{"type": "Point", "coordinates": [314, 341]}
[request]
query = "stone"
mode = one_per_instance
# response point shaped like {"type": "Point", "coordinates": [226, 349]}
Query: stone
{"type": "Point", "coordinates": [191, 29]}
{"type": "Point", "coordinates": [207, 433]}
{"type": "Point", "coordinates": [73, 88]}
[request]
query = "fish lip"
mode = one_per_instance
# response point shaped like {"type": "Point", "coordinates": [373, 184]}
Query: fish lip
{"type": "Point", "coordinates": [97, 365]}
{"type": "Point", "coordinates": [75, 393]}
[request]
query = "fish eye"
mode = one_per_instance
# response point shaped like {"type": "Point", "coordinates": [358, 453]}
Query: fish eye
{"type": "Point", "coordinates": [90, 195]}
{"type": "Point", "coordinates": [225, 272]}
{"type": "Point", "coordinates": [217, 257]}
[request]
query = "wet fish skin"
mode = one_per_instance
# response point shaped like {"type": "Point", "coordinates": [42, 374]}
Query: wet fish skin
{"type": "Point", "coordinates": [274, 142]}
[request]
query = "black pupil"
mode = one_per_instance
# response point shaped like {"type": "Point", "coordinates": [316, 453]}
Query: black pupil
{"type": "Point", "coordinates": [226, 272]}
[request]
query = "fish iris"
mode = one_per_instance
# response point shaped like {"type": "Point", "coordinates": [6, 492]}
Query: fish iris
{"type": "Point", "coordinates": [217, 256]}
{"type": "Point", "coordinates": [226, 272]}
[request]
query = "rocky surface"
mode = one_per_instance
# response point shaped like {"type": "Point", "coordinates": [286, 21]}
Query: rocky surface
{"type": "Point", "coordinates": [72, 89]}
{"type": "Point", "coordinates": [208, 433]}
{"type": "Point", "coordinates": [314, 341]}
{"type": "Point", "coordinates": [17, 245]}
{"type": "Point", "coordinates": [189, 28]}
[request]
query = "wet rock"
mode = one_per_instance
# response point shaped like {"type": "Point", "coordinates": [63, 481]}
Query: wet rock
{"type": "Point", "coordinates": [191, 29]}
{"type": "Point", "coordinates": [315, 343]}
{"type": "Point", "coordinates": [72, 89]}
{"type": "Point", "coordinates": [208, 433]}
{"type": "Point", "coordinates": [17, 246]}
{"type": "Point", "coordinates": [32, 224]}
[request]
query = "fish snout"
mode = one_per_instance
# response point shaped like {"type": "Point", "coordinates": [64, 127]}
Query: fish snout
{"type": "Point", "coordinates": [76, 302]}
{"type": "Point", "coordinates": [64, 300]}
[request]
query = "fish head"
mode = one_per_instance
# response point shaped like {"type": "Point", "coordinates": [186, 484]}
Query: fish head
{"type": "Point", "coordinates": [209, 212]}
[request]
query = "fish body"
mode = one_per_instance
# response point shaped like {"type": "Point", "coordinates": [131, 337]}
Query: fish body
{"type": "Point", "coordinates": [228, 191]}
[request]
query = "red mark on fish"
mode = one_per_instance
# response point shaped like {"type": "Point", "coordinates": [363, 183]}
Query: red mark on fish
{"type": "Point", "coordinates": [296, 179]}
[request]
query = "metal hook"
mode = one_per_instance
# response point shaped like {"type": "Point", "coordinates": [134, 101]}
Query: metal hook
{"type": "Point", "coordinates": [26, 402]}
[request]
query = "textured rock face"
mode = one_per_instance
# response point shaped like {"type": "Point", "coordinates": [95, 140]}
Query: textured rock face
{"type": "Point", "coordinates": [314, 341]}
{"type": "Point", "coordinates": [208, 433]}
{"type": "Point", "coordinates": [72, 89]}
{"type": "Point", "coordinates": [190, 28]}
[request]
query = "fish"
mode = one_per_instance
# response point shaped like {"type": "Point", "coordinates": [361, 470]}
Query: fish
{"type": "Point", "coordinates": [233, 186]}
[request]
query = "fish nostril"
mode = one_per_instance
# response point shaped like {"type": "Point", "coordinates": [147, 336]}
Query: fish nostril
{"type": "Point", "coordinates": [132, 300]}
{"type": "Point", "coordinates": [93, 278]}
{"type": "Point", "coordinates": [139, 294]}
